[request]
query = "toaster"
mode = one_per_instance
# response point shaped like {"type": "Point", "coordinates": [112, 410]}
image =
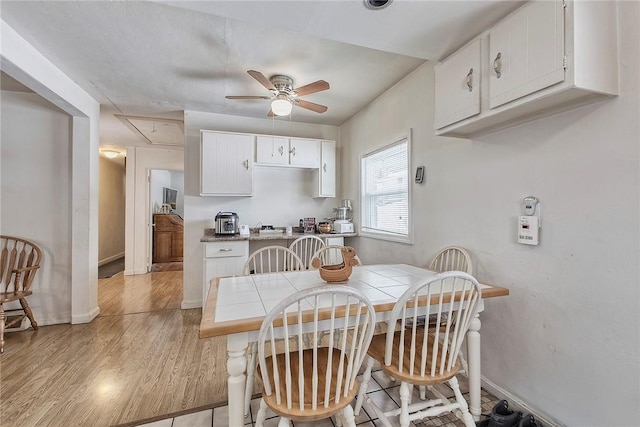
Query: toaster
{"type": "Point", "coordinates": [227, 223]}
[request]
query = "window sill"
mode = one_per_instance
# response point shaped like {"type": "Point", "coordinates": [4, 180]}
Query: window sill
{"type": "Point", "coordinates": [408, 240]}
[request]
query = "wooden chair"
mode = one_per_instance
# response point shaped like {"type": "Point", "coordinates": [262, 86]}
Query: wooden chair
{"type": "Point", "coordinates": [272, 259]}
{"type": "Point", "coordinates": [452, 258]}
{"type": "Point", "coordinates": [19, 262]}
{"type": "Point", "coordinates": [416, 354]}
{"type": "Point", "coordinates": [321, 381]}
{"type": "Point", "coordinates": [305, 247]}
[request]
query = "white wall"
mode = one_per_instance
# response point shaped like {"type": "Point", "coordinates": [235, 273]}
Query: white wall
{"type": "Point", "coordinates": [281, 197]}
{"type": "Point", "coordinates": [566, 340]}
{"type": "Point", "coordinates": [36, 203]}
{"type": "Point", "coordinates": [24, 63]}
{"type": "Point", "coordinates": [159, 180]}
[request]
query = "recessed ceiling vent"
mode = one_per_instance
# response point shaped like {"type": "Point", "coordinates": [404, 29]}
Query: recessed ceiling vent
{"type": "Point", "coordinates": [155, 131]}
{"type": "Point", "coordinates": [376, 4]}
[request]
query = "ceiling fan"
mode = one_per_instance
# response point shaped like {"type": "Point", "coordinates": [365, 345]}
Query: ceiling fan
{"type": "Point", "coordinates": [284, 96]}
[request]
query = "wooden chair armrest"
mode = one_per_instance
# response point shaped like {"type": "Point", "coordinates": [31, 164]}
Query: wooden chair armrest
{"type": "Point", "coordinates": [25, 269]}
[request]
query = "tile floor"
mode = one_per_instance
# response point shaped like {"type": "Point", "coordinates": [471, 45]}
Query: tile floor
{"type": "Point", "coordinates": [383, 391]}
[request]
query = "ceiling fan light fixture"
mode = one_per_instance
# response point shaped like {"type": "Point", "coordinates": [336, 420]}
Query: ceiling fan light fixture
{"type": "Point", "coordinates": [281, 106]}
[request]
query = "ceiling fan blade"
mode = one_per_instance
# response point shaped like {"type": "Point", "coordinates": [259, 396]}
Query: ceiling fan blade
{"type": "Point", "coordinates": [248, 97]}
{"type": "Point", "coordinates": [270, 113]}
{"type": "Point", "coordinates": [314, 87]}
{"type": "Point", "coordinates": [262, 79]}
{"type": "Point", "coordinates": [310, 106]}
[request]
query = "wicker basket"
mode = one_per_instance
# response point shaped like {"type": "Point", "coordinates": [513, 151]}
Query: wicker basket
{"type": "Point", "coordinates": [338, 273]}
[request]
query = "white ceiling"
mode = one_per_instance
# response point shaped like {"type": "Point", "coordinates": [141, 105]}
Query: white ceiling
{"type": "Point", "coordinates": [160, 58]}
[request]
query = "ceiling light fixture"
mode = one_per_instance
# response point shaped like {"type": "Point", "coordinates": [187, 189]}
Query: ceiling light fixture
{"type": "Point", "coordinates": [110, 154]}
{"type": "Point", "coordinates": [376, 4]}
{"type": "Point", "coordinates": [281, 106]}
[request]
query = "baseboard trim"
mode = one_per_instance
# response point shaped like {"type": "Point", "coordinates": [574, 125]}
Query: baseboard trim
{"type": "Point", "coordinates": [185, 305]}
{"type": "Point", "coordinates": [110, 259]}
{"type": "Point", "coordinates": [518, 404]}
{"type": "Point", "coordinates": [85, 317]}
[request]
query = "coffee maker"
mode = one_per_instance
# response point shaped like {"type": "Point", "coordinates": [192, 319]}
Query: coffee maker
{"type": "Point", "coordinates": [343, 215]}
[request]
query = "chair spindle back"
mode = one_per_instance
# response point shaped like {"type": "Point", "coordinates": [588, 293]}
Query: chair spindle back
{"type": "Point", "coordinates": [272, 259]}
{"type": "Point", "coordinates": [430, 335]}
{"type": "Point", "coordinates": [350, 318]}
{"type": "Point", "coordinates": [17, 254]}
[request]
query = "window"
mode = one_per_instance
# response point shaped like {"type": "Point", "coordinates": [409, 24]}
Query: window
{"type": "Point", "coordinates": [386, 201]}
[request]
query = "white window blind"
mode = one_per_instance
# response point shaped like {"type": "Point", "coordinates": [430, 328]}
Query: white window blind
{"type": "Point", "coordinates": [385, 190]}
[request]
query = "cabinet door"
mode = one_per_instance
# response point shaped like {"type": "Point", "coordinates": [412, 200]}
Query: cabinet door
{"type": "Point", "coordinates": [327, 181]}
{"type": "Point", "coordinates": [304, 152]}
{"type": "Point", "coordinates": [162, 245]}
{"type": "Point", "coordinates": [220, 267]}
{"type": "Point", "coordinates": [272, 150]}
{"type": "Point", "coordinates": [457, 86]}
{"type": "Point", "coordinates": [526, 52]}
{"type": "Point", "coordinates": [226, 164]}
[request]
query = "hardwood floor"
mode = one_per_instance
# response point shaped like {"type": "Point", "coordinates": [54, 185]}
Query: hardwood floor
{"type": "Point", "coordinates": [141, 359]}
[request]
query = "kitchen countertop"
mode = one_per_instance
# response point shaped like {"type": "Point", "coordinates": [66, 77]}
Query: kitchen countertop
{"type": "Point", "coordinates": [210, 236]}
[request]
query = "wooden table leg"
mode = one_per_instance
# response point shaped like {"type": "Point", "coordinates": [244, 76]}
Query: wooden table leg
{"type": "Point", "coordinates": [473, 350]}
{"type": "Point", "coordinates": [236, 367]}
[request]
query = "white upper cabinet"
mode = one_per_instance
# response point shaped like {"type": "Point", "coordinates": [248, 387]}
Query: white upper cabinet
{"type": "Point", "coordinates": [226, 164]}
{"type": "Point", "coordinates": [304, 152]}
{"type": "Point", "coordinates": [545, 57]}
{"type": "Point", "coordinates": [526, 52]}
{"type": "Point", "coordinates": [457, 89]}
{"type": "Point", "coordinates": [273, 150]}
{"type": "Point", "coordinates": [284, 151]}
{"type": "Point", "coordinates": [324, 178]}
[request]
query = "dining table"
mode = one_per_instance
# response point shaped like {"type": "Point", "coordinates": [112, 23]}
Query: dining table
{"type": "Point", "coordinates": [236, 307]}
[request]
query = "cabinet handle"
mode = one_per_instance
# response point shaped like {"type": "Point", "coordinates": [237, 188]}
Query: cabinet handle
{"type": "Point", "coordinates": [225, 250]}
{"type": "Point", "coordinates": [470, 80]}
{"type": "Point", "coordinates": [246, 164]}
{"type": "Point", "coordinates": [281, 150]}
{"type": "Point", "coordinates": [497, 65]}
{"type": "Point", "coordinates": [324, 167]}
{"type": "Point", "coordinates": [293, 151]}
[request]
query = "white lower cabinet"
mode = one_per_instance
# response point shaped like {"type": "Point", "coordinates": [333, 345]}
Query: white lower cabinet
{"type": "Point", "coordinates": [223, 259]}
{"type": "Point", "coordinates": [335, 256]}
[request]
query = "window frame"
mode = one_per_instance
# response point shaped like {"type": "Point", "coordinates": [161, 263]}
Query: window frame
{"type": "Point", "coordinates": [378, 234]}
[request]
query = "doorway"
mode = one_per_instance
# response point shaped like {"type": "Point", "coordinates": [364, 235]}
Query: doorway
{"type": "Point", "coordinates": [166, 225]}
{"type": "Point", "coordinates": [111, 215]}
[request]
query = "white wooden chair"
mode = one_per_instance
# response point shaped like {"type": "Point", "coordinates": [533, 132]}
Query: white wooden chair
{"type": "Point", "coordinates": [272, 259]}
{"type": "Point", "coordinates": [417, 354]}
{"type": "Point", "coordinates": [452, 258]}
{"type": "Point", "coordinates": [305, 247]}
{"type": "Point", "coordinates": [321, 381]}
